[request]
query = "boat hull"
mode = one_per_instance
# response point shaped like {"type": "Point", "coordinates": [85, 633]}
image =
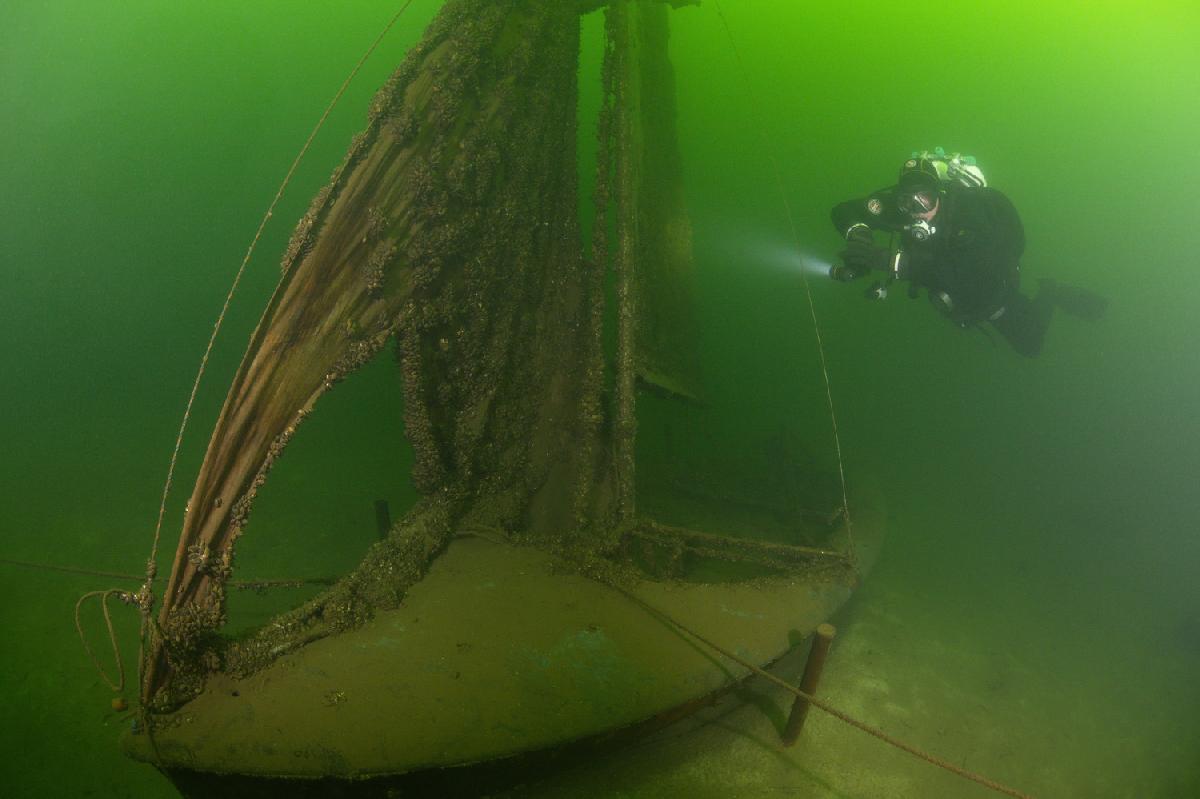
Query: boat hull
{"type": "Point", "coordinates": [496, 654]}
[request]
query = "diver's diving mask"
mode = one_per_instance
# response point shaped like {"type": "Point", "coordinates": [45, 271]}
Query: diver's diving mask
{"type": "Point", "coordinates": [920, 201]}
{"type": "Point", "coordinates": [915, 202]}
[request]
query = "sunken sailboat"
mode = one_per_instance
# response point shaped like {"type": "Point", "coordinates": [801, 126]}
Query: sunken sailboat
{"type": "Point", "coordinates": [495, 617]}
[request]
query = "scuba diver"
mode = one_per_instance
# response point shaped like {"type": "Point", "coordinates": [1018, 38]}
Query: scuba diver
{"type": "Point", "coordinates": [959, 240]}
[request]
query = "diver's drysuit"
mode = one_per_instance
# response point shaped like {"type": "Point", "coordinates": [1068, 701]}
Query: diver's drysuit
{"type": "Point", "coordinates": [968, 264]}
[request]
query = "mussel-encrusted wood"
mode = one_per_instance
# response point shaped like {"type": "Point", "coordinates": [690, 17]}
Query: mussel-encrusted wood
{"type": "Point", "coordinates": [451, 225]}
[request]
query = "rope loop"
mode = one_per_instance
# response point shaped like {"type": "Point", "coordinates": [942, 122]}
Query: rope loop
{"type": "Point", "coordinates": [128, 598]}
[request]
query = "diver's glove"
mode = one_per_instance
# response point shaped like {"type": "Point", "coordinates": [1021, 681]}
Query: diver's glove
{"type": "Point", "coordinates": [860, 231]}
{"type": "Point", "coordinates": [859, 258]}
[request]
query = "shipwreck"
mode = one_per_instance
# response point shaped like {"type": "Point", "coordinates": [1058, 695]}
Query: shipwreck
{"type": "Point", "coordinates": [494, 618]}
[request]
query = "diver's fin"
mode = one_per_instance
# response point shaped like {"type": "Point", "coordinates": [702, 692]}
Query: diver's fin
{"type": "Point", "coordinates": [1079, 302]}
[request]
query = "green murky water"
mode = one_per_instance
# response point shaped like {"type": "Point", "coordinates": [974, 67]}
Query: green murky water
{"type": "Point", "coordinates": [1035, 615]}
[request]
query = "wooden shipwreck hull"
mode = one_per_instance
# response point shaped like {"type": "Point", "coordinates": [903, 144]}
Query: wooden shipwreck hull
{"type": "Point", "coordinates": [452, 229]}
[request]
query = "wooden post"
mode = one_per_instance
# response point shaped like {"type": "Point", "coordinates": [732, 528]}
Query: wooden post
{"type": "Point", "coordinates": [808, 683]}
{"type": "Point", "coordinates": [383, 518]}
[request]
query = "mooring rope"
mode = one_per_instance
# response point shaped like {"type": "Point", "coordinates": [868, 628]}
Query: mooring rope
{"type": "Point", "coordinates": [812, 306]}
{"type": "Point", "coordinates": [253, 585]}
{"type": "Point", "coordinates": [130, 598]}
{"type": "Point", "coordinates": [52, 567]}
{"type": "Point", "coordinates": [838, 714]}
{"type": "Point", "coordinates": [880, 734]}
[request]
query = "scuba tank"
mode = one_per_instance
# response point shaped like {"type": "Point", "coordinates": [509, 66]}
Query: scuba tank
{"type": "Point", "coordinates": [952, 168]}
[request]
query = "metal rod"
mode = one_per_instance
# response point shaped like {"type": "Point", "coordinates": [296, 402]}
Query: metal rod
{"type": "Point", "coordinates": [383, 518]}
{"type": "Point", "coordinates": [808, 683]}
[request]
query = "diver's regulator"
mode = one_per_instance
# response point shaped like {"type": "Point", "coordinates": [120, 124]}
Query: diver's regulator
{"type": "Point", "coordinates": [920, 230]}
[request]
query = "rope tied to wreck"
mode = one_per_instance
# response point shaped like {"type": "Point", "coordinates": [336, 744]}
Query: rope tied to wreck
{"type": "Point", "coordinates": [137, 599]}
{"type": "Point", "coordinates": [118, 684]}
{"type": "Point", "coordinates": [831, 710]}
{"type": "Point", "coordinates": [769, 149]}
